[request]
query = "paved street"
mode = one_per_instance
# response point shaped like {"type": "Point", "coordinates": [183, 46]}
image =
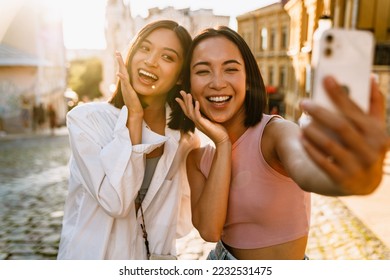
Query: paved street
{"type": "Point", "coordinates": [33, 186]}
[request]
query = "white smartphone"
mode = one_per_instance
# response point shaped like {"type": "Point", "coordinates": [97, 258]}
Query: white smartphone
{"type": "Point", "coordinates": [347, 55]}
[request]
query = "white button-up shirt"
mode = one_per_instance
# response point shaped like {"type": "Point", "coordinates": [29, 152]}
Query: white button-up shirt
{"type": "Point", "coordinates": [106, 172]}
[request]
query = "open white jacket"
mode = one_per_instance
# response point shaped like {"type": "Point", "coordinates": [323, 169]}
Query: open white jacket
{"type": "Point", "coordinates": [106, 172]}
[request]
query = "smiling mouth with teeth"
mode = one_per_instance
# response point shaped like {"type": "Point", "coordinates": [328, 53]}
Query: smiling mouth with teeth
{"type": "Point", "coordinates": [147, 75]}
{"type": "Point", "coordinates": [219, 99]}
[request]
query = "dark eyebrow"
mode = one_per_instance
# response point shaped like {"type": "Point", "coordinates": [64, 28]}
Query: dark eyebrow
{"type": "Point", "coordinates": [167, 49]}
{"type": "Point", "coordinates": [225, 63]}
{"type": "Point", "coordinates": [231, 61]}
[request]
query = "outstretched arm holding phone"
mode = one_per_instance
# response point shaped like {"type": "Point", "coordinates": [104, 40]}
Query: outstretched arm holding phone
{"type": "Point", "coordinates": [362, 139]}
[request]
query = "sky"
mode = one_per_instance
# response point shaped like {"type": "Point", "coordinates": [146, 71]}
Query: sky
{"type": "Point", "coordinates": [83, 20]}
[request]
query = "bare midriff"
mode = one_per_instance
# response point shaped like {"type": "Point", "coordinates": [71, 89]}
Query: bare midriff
{"type": "Point", "coordinates": [292, 250]}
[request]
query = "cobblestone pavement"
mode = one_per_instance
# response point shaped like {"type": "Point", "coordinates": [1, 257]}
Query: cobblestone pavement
{"type": "Point", "coordinates": [33, 186]}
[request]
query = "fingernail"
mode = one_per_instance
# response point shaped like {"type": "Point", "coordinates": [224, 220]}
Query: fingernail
{"type": "Point", "coordinates": [330, 81]}
{"type": "Point", "coordinates": [306, 104]}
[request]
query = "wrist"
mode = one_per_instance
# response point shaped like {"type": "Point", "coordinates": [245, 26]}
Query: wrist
{"type": "Point", "coordinates": [135, 114]}
{"type": "Point", "coordinates": [135, 118]}
{"type": "Point", "coordinates": [134, 124]}
{"type": "Point", "coordinates": [225, 142]}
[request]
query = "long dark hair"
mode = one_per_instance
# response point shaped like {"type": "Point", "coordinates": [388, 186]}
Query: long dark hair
{"type": "Point", "coordinates": [255, 98]}
{"type": "Point", "coordinates": [185, 41]}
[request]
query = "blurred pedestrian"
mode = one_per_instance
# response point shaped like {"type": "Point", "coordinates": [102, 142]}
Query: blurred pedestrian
{"type": "Point", "coordinates": [274, 110]}
{"type": "Point", "coordinates": [52, 114]}
{"type": "Point", "coordinates": [38, 116]}
{"type": "Point", "coordinates": [35, 117]}
{"type": "Point", "coordinates": [41, 118]}
{"type": "Point", "coordinates": [25, 112]}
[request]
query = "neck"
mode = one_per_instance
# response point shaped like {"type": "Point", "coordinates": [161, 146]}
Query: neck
{"type": "Point", "coordinates": [235, 127]}
{"type": "Point", "coordinates": [155, 118]}
{"type": "Point", "coordinates": [152, 101]}
{"type": "Point", "coordinates": [235, 131]}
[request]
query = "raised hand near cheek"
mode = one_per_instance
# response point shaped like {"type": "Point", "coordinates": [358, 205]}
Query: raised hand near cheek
{"type": "Point", "coordinates": [216, 132]}
{"type": "Point", "coordinates": [130, 97]}
{"type": "Point", "coordinates": [132, 102]}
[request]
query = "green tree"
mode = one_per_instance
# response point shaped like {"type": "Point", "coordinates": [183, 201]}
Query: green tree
{"type": "Point", "coordinates": [84, 78]}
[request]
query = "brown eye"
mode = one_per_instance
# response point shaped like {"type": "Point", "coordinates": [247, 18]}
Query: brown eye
{"type": "Point", "coordinates": [201, 72]}
{"type": "Point", "coordinates": [167, 57]}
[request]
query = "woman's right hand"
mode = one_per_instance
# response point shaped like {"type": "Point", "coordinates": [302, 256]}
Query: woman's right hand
{"type": "Point", "coordinates": [216, 132]}
{"type": "Point", "coordinates": [355, 159]}
{"type": "Point", "coordinates": [132, 102]}
{"type": "Point", "coordinates": [130, 97]}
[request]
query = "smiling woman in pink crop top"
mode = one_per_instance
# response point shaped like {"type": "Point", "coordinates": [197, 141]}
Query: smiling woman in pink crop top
{"type": "Point", "coordinates": [250, 190]}
{"type": "Point", "coordinates": [266, 208]}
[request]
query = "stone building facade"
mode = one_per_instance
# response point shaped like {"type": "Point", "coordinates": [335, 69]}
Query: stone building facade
{"type": "Point", "coordinates": [267, 32]}
{"type": "Point", "coordinates": [32, 65]}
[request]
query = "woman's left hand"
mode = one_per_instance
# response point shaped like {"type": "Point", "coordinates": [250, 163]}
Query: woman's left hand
{"type": "Point", "coordinates": [354, 158]}
{"type": "Point", "coordinates": [216, 132]}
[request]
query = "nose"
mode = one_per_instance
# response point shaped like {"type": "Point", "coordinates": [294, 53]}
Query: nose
{"type": "Point", "coordinates": [218, 81]}
{"type": "Point", "coordinates": [151, 61]}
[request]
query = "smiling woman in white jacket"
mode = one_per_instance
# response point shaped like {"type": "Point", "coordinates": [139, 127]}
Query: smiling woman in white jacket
{"type": "Point", "coordinates": [124, 155]}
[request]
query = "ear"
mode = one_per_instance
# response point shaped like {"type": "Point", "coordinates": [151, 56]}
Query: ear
{"type": "Point", "coordinates": [179, 82]}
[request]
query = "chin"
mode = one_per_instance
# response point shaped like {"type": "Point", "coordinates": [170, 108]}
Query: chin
{"type": "Point", "coordinates": [218, 120]}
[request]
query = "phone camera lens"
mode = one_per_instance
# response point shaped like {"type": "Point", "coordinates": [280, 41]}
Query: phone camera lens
{"type": "Point", "coordinates": [328, 52]}
{"type": "Point", "coordinates": [329, 38]}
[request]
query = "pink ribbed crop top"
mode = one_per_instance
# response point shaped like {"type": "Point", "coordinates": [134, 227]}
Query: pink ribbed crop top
{"type": "Point", "coordinates": [265, 207]}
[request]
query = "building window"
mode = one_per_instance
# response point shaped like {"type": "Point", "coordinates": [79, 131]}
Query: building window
{"type": "Point", "coordinates": [284, 38]}
{"type": "Point", "coordinates": [272, 39]}
{"type": "Point", "coordinates": [282, 77]}
{"type": "Point", "coordinates": [259, 46]}
{"type": "Point", "coordinates": [264, 37]}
